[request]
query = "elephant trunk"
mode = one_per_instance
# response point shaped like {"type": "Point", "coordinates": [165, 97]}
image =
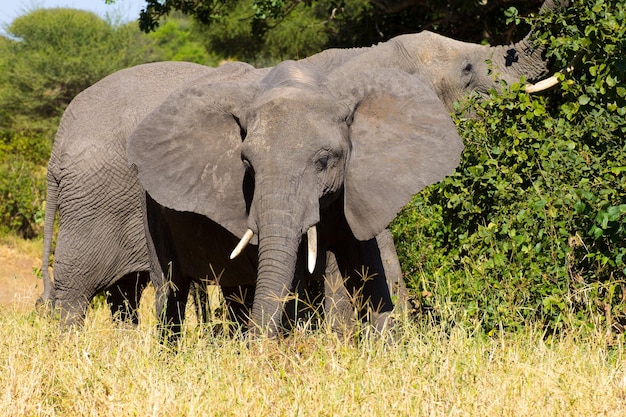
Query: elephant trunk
{"type": "Point", "coordinates": [280, 234]}
{"type": "Point", "coordinates": [526, 59]}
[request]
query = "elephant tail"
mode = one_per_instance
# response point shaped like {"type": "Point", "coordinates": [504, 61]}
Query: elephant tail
{"type": "Point", "coordinates": [52, 201]}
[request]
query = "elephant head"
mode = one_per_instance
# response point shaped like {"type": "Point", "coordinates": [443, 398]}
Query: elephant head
{"type": "Point", "coordinates": [451, 68]}
{"type": "Point", "coordinates": [276, 156]}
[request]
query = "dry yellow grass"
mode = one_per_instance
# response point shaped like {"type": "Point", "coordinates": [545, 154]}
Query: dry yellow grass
{"type": "Point", "coordinates": [108, 369]}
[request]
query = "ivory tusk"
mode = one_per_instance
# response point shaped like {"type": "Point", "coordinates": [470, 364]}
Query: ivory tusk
{"type": "Point", "coordinates": [311, 237]}
{"type": "Point", "coordinates": [242, 244]}
{"type": "Point", "coordinates": [545, 84]}
{"type": "Point", "coordinates": [541, 85]}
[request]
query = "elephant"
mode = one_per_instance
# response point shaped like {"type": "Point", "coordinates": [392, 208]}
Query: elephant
{"type": "Point", "coordinates": [450, 68]}
{"type": "Point", "coordinates": [99, 121]}
{"type": "Point", "coordinates": [297, 153]}
{"type": "Point", "coordinates": [101, 243]}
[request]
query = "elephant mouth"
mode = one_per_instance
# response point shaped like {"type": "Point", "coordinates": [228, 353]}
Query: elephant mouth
{"type": "Point", "coordinates": [311, 236]}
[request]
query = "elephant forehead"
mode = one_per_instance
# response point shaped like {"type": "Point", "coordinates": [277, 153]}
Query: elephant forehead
{"type": "Point", "coordinates": [294, 132]}
{"type": "Point", "coordinates": [294, 102]}
{"type": "Point", "coordinates": [300, 135]}
{"type": "Point", "coordinates": [294, 119]}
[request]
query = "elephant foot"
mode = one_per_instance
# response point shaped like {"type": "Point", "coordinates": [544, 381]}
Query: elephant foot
{"type": "Point", "coordinates": [382, 322]}
{"type": "Point", "coordinates": [45, 304]}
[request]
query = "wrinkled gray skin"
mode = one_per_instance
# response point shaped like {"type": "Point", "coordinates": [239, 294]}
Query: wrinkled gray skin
{"type": "Point", "coordinates": [448, 68]}
{"type": "Point", "coordinates": [101, 242]}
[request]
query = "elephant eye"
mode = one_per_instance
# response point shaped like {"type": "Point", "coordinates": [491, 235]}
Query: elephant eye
{"type": "Point", "coordinates": [322, 162]}
{"type": "Point", "coordinates": [248, 166]}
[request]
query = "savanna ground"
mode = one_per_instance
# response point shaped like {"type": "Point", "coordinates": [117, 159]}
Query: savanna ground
{"type": "Point", "coordinates": [19, 285]}
{"type": "Point", "coordinates": [429, 369]}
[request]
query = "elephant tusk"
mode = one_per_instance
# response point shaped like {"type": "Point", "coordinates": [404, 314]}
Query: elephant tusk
{"type": "Point", "coordinates": [542, 85]}
{"type": "Point", "coordinates": [545, 84]}
{"type": "Point", "coordinates": [311, 236]}
{"type": "Point", "coordinates": [247, 237]}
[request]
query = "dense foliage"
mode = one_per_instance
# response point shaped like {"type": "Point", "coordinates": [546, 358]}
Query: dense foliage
{"type": "Point", "coordinates": [533, 223]}
{"type": "Point", "coordinates": [299, 35]}
{"type": "Point", "coordinates": [346, 23]}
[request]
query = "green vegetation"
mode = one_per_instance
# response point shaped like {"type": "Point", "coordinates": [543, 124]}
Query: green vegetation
{"type": "Point", "coordinates": [533, 223]}
{"type": "Point", "coordinates": [111, 370]}
{"type": "Point", "coordinates": [299, 35]}
{"type": "Point", "coordinates": [348, 23]}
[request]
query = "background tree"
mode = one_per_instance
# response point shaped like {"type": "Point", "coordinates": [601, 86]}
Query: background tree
{"type": "Point", "coordinates": [348, 23]}
{"type": "Point", "coordinates": [49, 57]}
{"type": "Point", "coordinates": [52, 55]}
{"type": "Point", "coordinates": [179, 39]}
{"type": "Point", "coordinates": [235, 35]}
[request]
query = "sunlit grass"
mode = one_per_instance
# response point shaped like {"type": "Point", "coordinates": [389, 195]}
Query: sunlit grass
{"type": "Point", "coordinates": [110, 369]}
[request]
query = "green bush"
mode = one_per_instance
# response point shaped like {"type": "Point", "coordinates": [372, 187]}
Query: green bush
{"type": "Point", "coordinates": [22, 196]}
{"type": "Point", "coordinates": [23, 160]}
{"type": "Point", "coordinates": [531, 226]}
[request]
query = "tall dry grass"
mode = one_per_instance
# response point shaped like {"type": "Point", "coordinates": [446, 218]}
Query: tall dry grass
{"type": "Point", "coordinates": [108, 369]}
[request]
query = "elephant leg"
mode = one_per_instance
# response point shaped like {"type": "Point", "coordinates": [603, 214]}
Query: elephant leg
{"type": "Point", "coordinates": [170, 284]}
{"type": "Point", "coordinates": [306, 295]}
{"type": "Point", "coordinates": [361, 262]}
{"type": "Point", "coordinates": [305, 305]}
{"type": "Point", "coordinates": [238, 301]}
{"type": "Point", "coordinates": [73, 291]}
{"type": "Point", "coordinates": [176, 295]}
{"type": "Point", "coordinates": [393, 271]}
{"type": "Point", "coordinates": [71, 303]}
{"type": "Point", "coordinates": [123, 296]}
{"type": "Point", "coordinates": [201, 303]}
{"type": "Point", "coordinates": [171, 293]}
{"type": "Point", "coordinates": [382, 261]}
{"type": "Point", "coordinates": [72, 307]}
{"type": "Point", "coordinates": [338, 306]}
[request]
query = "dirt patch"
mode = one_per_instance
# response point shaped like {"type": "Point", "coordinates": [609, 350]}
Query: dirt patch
{"type": "Point", "coordinates": [19, 286]}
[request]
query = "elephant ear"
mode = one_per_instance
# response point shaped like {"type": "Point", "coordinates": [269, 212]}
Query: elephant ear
{"type": "Point", "coordinates": [402, 139]}
{"type": "Point", "coordinates": [187, 152]}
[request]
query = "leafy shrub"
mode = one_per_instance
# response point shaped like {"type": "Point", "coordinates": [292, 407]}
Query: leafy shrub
{"type": "Point", "coordinates": [53, 54]}
{"type": "Point", "coordinates": [22, 195]}
{"type": "Point", "coordinates": [23, 183]}
{"type": "Point", "coordinates": [531, 226]}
